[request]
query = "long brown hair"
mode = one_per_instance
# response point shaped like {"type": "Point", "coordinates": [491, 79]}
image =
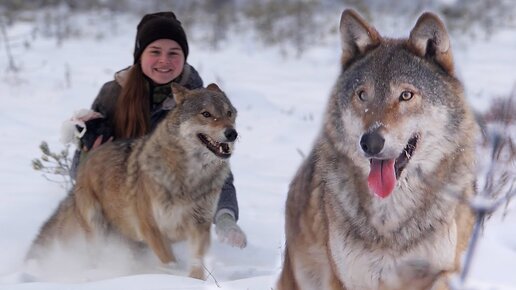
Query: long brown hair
{"type": "Point", "coordinates": [132, 116]}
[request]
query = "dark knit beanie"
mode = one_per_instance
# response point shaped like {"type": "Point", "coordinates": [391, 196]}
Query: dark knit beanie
{"type": "Point", "coordinates": [161, 25]}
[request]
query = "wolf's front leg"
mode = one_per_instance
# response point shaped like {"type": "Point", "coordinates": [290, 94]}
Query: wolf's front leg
{"type": "Point", "coordinates": [198, 244]}
{"type": "Point", "coordinates": [155, 239]}
{"type": "Point", "coordinates": [159, 246]}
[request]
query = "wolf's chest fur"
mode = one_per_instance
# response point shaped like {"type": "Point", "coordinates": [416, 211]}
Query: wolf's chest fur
{"type": "Point", "coordinates": [185, 191]}
{"type": "Point", "coordinates": [363, 268]}
{"type": "Point", "coordinates": [386, 234]}
{"type": "Point", "coordinates": [364, 263]}
{"type": "Point", "coordinates": [176, 218]}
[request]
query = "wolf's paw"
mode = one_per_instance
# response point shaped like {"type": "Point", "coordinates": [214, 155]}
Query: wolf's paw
{"type": "Point", "coordinates": [229, 232]}
{"type": "Point", "coordinates": [197, 273]}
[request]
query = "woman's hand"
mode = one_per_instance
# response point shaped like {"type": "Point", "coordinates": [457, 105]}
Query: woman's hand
{"type": "Point", "coordinates": [97, 131]}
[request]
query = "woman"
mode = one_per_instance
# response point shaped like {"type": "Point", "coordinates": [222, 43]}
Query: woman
{"type": "Point", "coordinates": [140, 96]}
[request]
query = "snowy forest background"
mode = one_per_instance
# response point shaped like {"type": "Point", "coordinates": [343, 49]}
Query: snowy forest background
{"type": "Point", "coordinates": [277, 61]}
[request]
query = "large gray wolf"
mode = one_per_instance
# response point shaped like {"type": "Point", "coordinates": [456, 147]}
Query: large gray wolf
{"type": "Point", "coordinates": [376, 204]}
{"type": "Point", "coordinates": [155, 190]}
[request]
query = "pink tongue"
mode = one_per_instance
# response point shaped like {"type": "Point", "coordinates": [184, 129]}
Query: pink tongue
{"type": "Point", "coordinates": [382, 178]}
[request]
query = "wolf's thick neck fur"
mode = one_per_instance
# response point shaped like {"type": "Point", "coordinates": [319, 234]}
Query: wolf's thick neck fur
{"type": "Point", "coordinates": [178, 167]}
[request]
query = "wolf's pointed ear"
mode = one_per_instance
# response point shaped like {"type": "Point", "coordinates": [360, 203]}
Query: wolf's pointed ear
{"type": "Point", "coordinates": [357, 37]}
{"type": "Point", "coordinates": [214, 87]}
{"type": "Point", "coordinates": [430, 39]}
{"type": "Point", "coordinates": [179, 93]}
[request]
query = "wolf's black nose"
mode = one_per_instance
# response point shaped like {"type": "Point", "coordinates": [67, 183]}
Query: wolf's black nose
{"type": "Point", "coordinates": [231, 134]}
{"type": "Point", "coordinates": [372, 143]}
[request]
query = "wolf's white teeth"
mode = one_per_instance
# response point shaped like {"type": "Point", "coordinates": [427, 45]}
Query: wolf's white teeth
{"type": "Point", "coordinates": [221, 149]}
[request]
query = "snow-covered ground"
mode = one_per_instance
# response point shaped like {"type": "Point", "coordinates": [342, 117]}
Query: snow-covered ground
{"type": "Point", "coordinates": [280, 102]}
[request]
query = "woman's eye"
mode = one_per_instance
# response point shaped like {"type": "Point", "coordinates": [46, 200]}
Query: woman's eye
{"type": "Point", "coordinates": [362, 95]}
{"type": "Point", "coordinates": [206, 114]}
{"type": "Point", "coordinates": [406, 95]}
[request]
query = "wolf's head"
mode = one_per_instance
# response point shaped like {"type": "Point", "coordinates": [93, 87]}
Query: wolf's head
{"type": "Point", "coordinates": [397, 105]}
{"type": "Point", "coordinates": [205, 120]}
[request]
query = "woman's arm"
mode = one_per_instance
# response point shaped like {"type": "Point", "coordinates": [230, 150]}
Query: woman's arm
{"type": "Point", "coordinates": [228, 199]}
{"type": "Point", "coordinates": [104, 103]}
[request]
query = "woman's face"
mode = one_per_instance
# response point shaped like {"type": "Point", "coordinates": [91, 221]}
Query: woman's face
{"type": "Point", "coordinates": [162, 61]}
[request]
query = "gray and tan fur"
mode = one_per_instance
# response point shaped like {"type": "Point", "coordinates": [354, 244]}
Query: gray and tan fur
{"type": "Point", "coordinates": [158, 189]}
{"type": "Point", "coordinates": [398, 101]}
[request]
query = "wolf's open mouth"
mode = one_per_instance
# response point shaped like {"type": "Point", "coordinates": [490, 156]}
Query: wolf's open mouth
{"type": "Point", "coordinates": [384, 172]}
{"type": "Point", "coordinates": [222, 150]}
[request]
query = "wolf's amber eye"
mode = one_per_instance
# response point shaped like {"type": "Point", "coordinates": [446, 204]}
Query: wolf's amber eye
{"type": "Point", "coordinates": [206, 114]}
{"type": "Point", "coordinates": [406, 95]}
{"type": "Point", "coordinates": [362, 95]}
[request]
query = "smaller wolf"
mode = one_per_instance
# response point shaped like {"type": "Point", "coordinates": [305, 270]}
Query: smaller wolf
{"type": "Point", "coordinates": [158, 189]}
